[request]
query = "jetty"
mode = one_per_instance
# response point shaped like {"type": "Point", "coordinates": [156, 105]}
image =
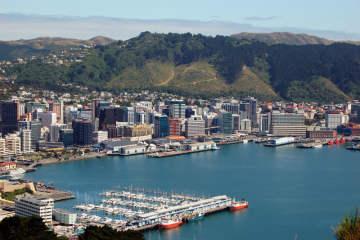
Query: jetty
{"type": "Point", "coordinates": [174, 153]}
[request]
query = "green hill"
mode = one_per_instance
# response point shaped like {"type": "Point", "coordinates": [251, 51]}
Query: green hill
{"type": "Point", "coordinates": [207, 67]}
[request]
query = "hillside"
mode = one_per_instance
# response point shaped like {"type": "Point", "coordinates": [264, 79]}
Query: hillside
{"type": "Point", "coordinates": [22, 48]}
{"type": "Point", "coordinates": [287, 38]}
{"type": "Point", "coordinates": [207, 67]}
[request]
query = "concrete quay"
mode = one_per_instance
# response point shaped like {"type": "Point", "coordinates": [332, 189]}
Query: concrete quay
{"type": "Point", "coordinates": [174, 153]}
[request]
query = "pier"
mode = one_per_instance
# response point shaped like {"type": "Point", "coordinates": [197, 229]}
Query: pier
{"type": "Point", "coordinates": [175, 153]}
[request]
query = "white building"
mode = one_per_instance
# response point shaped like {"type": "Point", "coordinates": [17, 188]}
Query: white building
{"type": "Point", "coordinates": [100, 136]}
{"type": "Point", "coordinates": [64, 216]}
{"type": "Point", "coordinates": [41, 206]}
{"type": "Point", "coordinates": [194, 128]}
{"type": "Point", "coordinates": [48, 118]}
{"type": "Point", "coordinates": [246, 125]}
{"type": "Point", "coordinates": [13, 144]}
{"type": "Point", "coordinates": [26, 141]}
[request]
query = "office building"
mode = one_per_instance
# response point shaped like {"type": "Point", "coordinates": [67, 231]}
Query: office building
{"type": "Point", "coordinates": [9, 117]}
{"type": "Point", "coordinates": [54, 135]}
{"type": "Point", "coordinates": [83, 134]}
{"type": "Point", "coordinates": [58, 109]}
{"type": "Point", "coordinates": [40, 206]}
{"type": "Point", "coordinates": [250, 106]}
{"type": "Point", "coordinates": [25, 124]}
{"type": "Point", "coordinates": [35, 127]}
{"type": "Point", "coordinates": [334, 119]}
{"type": "Point", "coordinates": [100, 136]}
{"type": "Point", "coordinates": [67, 137]}
{"type": "Point", "coordinates": [236, 122]}
{"type": "Point", "coordinates": [194, 128]}
{"type": "Point", "coordinates": [37, 113]}
{"type": "Point", "coordinates": [265, 122]}
{"type": "Point", "coordinates": [231, 105]}
{"type": "Point", "coordinates": [13, 144]}
{"type": "Point", "coordinates": [129, 115]}
{"type": "Point", "coordinates": [48, 118]}
{"type": "Point", "coordinates": [25, 140]}
{"type": "Point", "coordinates": [64, 216]}
{"type": "Point", "coordinates": [177, 109]}
{"type": "Point", "coordinates": [246, 125]}
{"type": "Point", "coordinates": [161, 126]}
{"type": "Point", "coordinates": [31, 106]}
{"type": "Point", "coordinates": [85, 113]}
{"type": "Point", "coordinates": [174, 127]}
{"type": "Point", "coordinates": [285, 124]}
{"type": "Point", "coordinates": [225, 122]}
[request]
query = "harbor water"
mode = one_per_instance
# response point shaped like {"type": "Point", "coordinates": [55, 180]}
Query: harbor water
{"type": "Point", "coordinates": [292, 192]}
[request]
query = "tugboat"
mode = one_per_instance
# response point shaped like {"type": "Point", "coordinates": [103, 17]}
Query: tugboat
{"type": "Point", "coordinates": [330, 142]}
{"type": "Point", "coordinates": [168, 223]}
{"type": "Point", "coordinates": [342, 140]}
{"type": "Point", "coordinates": [336, 141]}
{"type": "Point", "coordinates": [197, 216]}
{"type": "Point", "coordinates": [238, 205]}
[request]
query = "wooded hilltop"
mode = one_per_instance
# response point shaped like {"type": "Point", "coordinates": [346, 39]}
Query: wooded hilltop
{"type": "Point", "coordinates": [208, 67]}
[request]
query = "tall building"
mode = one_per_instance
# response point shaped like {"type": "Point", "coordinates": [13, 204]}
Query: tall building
{"type": "Point", "coordinates": [85, 113]}
{"type": "Point", "coordinates": [9, 117]}
{"type": "Point", "coordinates": [246, 125]}
{"type": "Point", "coordinates": [26, 140]}
{"type": "Point", "coordinates": [83, 134]}
{"type": "Point", "coordinates": [252, 109]}
{"type": "Point", "coordinates": [100, 136]}
{"type": "Point", "coordinates": [54, 135]}
{"type": "Point", "coordinates": [264, 122]}
{"type": "Point", "coordinates": [67, 137]}
{"type": "Point", "coordinates": [194, 128]}
{"type": "Point", "coordinates": [285, 124]}
{"type": "Point", "coordinates": [58, 109]}
{"type": "Point", "coordinates": [48, 118]}
{"type": "Point", "coordinates": [25, 124]}
{"type": "Point", "coordinates": [334, 119]}
{"type": "Point", "coordinates": [129, 115]}
{"type": "Point", "coordinates": [225, 122]}
{"type": "Point", "coordinates": [177, 109]}
{"type": "Point", "coordinates": [37, 113]}
{"type": "Point", "coordinates": [13, 144]}
{"type": "Point", "coordinates": [31, 106]}
{"type": "Point", "coordinates": [161, 126]}
{"type": "Point", "coordinates": [236, 122]}
{"type": "Point", "coordinates": [174, 127]}
{"type": "Point", "coordinates": [35, 127]}
{"type": "Point", "coordinates": [40, 206]}
{"type": "Point", "coordinates": [231, 105]}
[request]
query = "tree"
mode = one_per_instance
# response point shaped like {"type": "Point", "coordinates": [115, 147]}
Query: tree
{"type": "Point", "coordinates": [32, 228]}
{"type": "Point", "coordinates": [108, 233]}
{"type": "Point", "coordinates": [349, 227]}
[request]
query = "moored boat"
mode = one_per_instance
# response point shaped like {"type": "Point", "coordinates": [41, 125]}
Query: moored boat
{"type": "Point", "coordinates": [330, 142]}
{"type": "Point", "coordinates": [316, 145]}
{"type": "Point", "coordinates": [215, 148]}
{"type": "Point", "coordinates": [336, 141]}
{"type": "Point", "coordinates": [342, 140]}
{"type": "Point", "coordinates": [168, 223]}
{"type": "Point", "coordinates": [238, 205]}
{"type": "Point", "coordinates": [197, 216]}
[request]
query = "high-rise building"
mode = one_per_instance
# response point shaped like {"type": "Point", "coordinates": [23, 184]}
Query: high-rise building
{"type": "Point", "coordinates": [129, 115]}
{"type": "Point", "coordinates": [285, 124]}
{"type": "Point", "coordinates": [37, 113]}
{"type": "Point", "coordinates": [264, 122]}
{"type": "Point", "coordinates": [25, 124]}
{"type": "Point", "coordinates": [236, 122]}
{"type": "Point", "coordinates": [246, 125]}
{"type": "Point", "coordinates": [48, 118]}
{"type": "Point", "coordinates": [85, 113]}
{"type": "Point", "coordinates": [67, 137]}
{"type": "Point", "coordinates": [83, 134]}
{"type": "Point", "coordinates": [174, 127]}
{"type": "Point", "coordinates": [26, 140]}
{"type": "Point", "coordinates": [100, 136]}
{"type": "Point", "coordinates": [54, 135]}
{"type": "Point", "coordinates": [9, 117]}
{"type": "Point", "coordinates": [231, 105]}
{"type": "Point", "coordinates": [225, 122]}
{"type": "Point", "coordinates": [252, 112]}
{"type": "Point", "coordinates": [58, 109]}
{"type": "Point", "coordinates": [177, 109]}
{"type": "Point", "coordinates": [13, 144]}
{"type": "Point", "coordinates": [161, 126]}
{"type": "Point", "coordinates": [194, 128]}
{"type": "Point", "coordinates": [334, 119]}
{"type": "Point", "coordinates": [31, 106]}
{"type": "Point", "coordinates": [35, 127]}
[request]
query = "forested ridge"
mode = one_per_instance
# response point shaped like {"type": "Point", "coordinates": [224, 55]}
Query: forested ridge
{"type": "Point", "coordinates": [201, 66]}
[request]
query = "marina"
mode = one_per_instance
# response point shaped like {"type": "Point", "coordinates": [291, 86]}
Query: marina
{"type": "Point", "coordinates": [271, 179]}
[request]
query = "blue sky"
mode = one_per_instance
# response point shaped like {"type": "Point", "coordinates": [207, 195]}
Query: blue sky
{"type": "Point", "coordinates": [124, 19]}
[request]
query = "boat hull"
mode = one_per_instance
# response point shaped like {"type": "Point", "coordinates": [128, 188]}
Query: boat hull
{"type": "Point", "coordinates": [239, 207]}
{"type": "Point", "coordinates": [196, 218]}
{"type": "Point", "coordinates": [171, 225]}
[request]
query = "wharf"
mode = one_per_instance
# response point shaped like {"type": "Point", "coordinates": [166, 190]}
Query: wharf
{"type": "Point", "coordinates": [173, 153]}
{"type": "Point", "coordinates": [228, 142]}
{"type": "Point", "coordinates": [278, 145]}
{"type": "Point", "coordinates": [57, 195]}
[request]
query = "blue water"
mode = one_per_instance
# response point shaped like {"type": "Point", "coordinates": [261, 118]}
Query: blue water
{"type": "Point", "coordinates": [291, 191]}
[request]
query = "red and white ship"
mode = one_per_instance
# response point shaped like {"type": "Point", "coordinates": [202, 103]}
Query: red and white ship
{"type": "Point", "coordinates": [168, 223]}
{"type": "Point", "coordinates": [238, 205]}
